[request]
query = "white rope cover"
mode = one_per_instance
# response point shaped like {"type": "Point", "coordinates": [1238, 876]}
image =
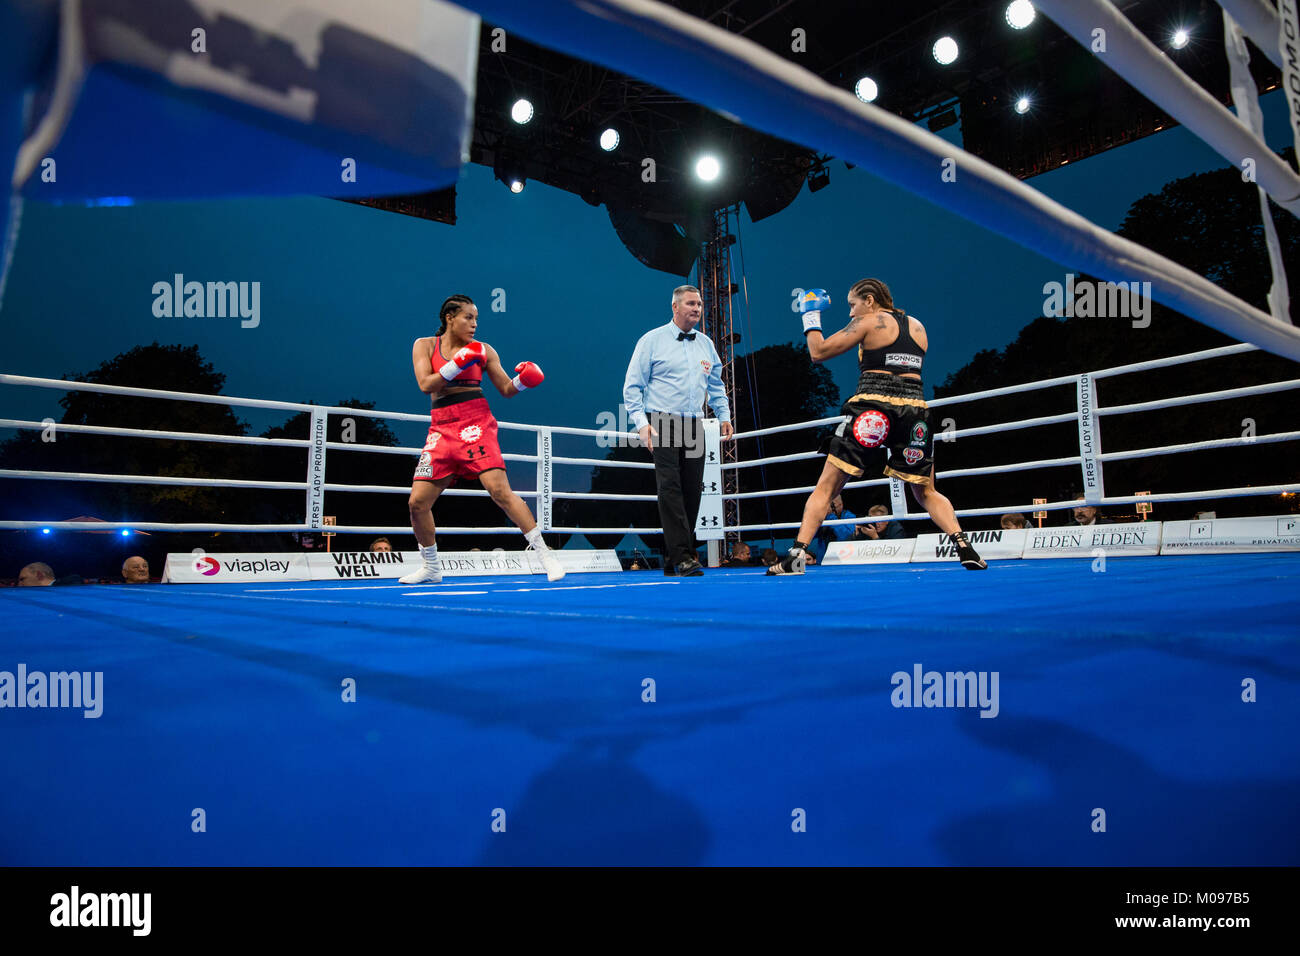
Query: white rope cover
{"type": "Point", "coordinates": [1138, 60]}
{"type": "Point", "coordinates": [1259, 21]}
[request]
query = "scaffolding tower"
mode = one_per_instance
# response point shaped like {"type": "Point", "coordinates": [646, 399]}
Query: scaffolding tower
{"type": "Point", "coordinates": [717, 290]}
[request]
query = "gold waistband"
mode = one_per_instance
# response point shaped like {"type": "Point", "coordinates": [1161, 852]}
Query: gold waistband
{"type": "Point", "coordinates": [889, 399]}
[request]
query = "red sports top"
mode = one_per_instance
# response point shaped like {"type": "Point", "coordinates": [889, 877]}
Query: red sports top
{"type": "Point", "coordinates": [465, 379]}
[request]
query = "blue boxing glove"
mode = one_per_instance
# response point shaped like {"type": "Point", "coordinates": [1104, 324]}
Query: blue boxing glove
{"type": "Point", "coordinates": [811, 305]}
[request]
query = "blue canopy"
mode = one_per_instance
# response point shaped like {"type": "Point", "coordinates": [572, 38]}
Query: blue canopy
{"type": "Point", "coordinates": [631, 542]}
{"type": "Point", "coordinates": [578, 542]}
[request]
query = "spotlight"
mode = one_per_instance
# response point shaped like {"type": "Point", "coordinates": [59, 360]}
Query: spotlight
{"type": "Point", "coordinates": [819, 178]}
{"type": "Point", "coordinates": [708, 168]}
{"type": "Point", "coordinates": [945, 50]}
{"type": "Point", "coordinates": [941, 120]}
{"type": "Point", "coordinates": [521, 112]}
{"type": "Point", "coordinates": [1022, 105]}
{"type": "Point", "coordinates": [866, 89]}
{"type": "Point", "coordinates": [609, 140]}
{"type": "Point", "coordinates": [45, 531]}
{"type": "Point", "coordinates": [1179, 39]}
{"type": "Point", "coordinates": [126, 532]}
{"type": "Point", "coordinates": [1020, 13]}
{"type": "Point", "coordinates": [510, 170]}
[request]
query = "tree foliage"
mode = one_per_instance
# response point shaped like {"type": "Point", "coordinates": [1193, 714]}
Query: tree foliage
{"type": "Point", "coordinates": [1209, 223]}
{"type": "Point", "coordinates": [173, 368]}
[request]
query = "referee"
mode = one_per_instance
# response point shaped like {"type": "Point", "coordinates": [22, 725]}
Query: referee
{"type": "Point", "coordinates": [672, 370]}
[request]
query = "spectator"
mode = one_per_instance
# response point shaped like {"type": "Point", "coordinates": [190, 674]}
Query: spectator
{"type": "Point", "coordinates": [1087, 514]}
{"type": "Point", "coordinates": [36, 575]}
{"type": "Point", "coordinates": [40, 575]}
{"type": "Point", "coordinates": [135, 570]}
{"type": "Point", "coordinates": [1013, 522]}
{"type": "Point", "coordinates": [380, 544]}
{"type": "Point", "coordinates": [837, 532]}
{"type": "Point", "coordinates": [876, 530]}
{"type": "Point", "coordinates": [740, 556]}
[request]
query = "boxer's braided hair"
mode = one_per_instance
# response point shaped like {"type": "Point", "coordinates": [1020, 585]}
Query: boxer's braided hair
{"type": "Point", "coordinates": [449, 308]}
{"type": "Point", "coordinates": [874, 287]}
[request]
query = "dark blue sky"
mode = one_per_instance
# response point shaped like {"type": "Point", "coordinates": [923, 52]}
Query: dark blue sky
{"type": "Point", "coordinates": [345, 289]}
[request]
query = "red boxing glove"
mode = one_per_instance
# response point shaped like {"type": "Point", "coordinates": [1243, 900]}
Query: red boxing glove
{"type": "Point", "coordinates": [470, 355]}
{"type": "Point", "coordinates": [530, 376]}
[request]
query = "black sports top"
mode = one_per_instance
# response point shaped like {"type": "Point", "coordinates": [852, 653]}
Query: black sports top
{"type": "Point", "coordinates": [901, 356]}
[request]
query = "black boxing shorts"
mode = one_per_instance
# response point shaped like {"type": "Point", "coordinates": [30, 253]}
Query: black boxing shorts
{"type": "Point", "coordinates": [886, 430]}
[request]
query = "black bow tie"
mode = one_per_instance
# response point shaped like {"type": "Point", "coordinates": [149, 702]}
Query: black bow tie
{"type": "Point", "coordinates": [688, 336]}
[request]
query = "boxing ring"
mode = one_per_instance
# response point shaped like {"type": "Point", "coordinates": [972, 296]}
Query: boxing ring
{"type": "Point", "coordinates": [634, 718]}
{"type": "Point", "coordinates": [731, 719]}
{"type": "Point", "coordinates": [1090, 460]}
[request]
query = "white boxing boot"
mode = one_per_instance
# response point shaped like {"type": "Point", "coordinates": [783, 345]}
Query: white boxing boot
{"type": "Point", "coordinates": [430, 573]}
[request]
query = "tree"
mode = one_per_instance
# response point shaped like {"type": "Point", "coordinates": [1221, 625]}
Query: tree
{"type": "Point", "coordinates": [345, 468]}
{"type": "Point", "coordinates": [1210, 224]}
{"type": "Point", "coordinates": [174, 368]}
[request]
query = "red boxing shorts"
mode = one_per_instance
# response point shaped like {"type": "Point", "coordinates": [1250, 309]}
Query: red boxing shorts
{"type": "Point", "coordinates": [462, 441]}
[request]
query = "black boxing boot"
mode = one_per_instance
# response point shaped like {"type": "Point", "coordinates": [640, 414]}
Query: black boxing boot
{"type": "Point", "coordinates": [970, 559]}
{"type": "Point", "coordinates": [794, 562]}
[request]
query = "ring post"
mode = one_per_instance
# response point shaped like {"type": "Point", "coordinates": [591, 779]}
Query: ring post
{"type": "Point", "coordinates": [544, 479]}
{"type": "Point", "coordinates": [897, 499]}
{"type": "Point", "coordinates": [710, 525]}
{"type": "Point", "coordinates": [316, 468]}
{"type": "Point", "coordinates": [1094, 488]}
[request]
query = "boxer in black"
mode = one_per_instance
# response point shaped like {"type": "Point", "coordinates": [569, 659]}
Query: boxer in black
{"type": "Point", "coordinates": [888, 412]}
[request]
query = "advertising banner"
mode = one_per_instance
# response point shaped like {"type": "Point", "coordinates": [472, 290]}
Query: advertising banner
{"type": "Point", "coordinates": [887, 551]}
{"type": "Point", "coordinates": [1221, 535]}
{"type": "Point", "coordinates": [1080, 541]}
{"type": "Point", "coordinates": [201, 568]}
{"type": "Point", "coordinates": [354, 565]}
{"type": "Point", "coordinates": [992, 545]}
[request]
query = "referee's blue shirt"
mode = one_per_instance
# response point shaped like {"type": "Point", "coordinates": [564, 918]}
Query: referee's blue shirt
{"type": "Point", "coordinates": [673, 375]}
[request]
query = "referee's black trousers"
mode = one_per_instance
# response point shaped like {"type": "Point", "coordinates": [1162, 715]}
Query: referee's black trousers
{"type": "Point", "coordinates": [679, 477]}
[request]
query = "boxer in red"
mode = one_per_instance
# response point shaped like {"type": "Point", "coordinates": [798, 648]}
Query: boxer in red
{"type": "Point", "coordinates": [462, 441]}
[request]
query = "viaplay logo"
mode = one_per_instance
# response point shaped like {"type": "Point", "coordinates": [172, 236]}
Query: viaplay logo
{"type": "Point", "coordinates": [207, 566]}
